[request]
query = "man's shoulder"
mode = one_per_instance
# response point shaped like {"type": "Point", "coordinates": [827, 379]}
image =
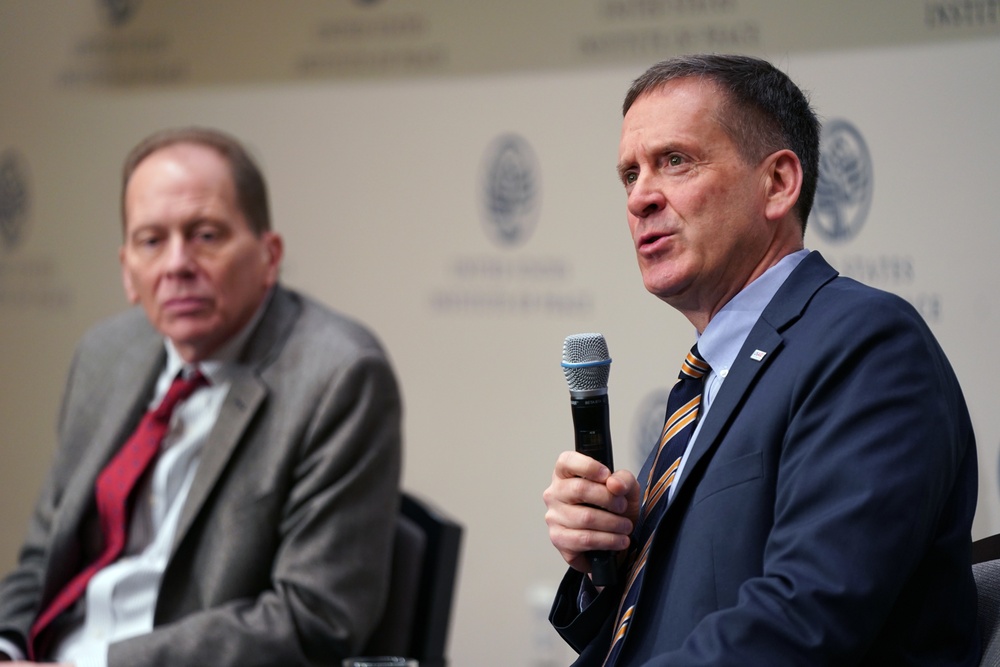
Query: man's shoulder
{"type": "Point", "coordinates": [124, 343]}
{"type": "Point", "coordinates": [325, 330]}
{"type": "Point", "coordinates": [119, 330]}
{"type": "Point", "coordinates": [846, 314]}
{"type": "Point", "coordinates": [847, 297]}
{"type": "Point", "coordinates": [825, 295]}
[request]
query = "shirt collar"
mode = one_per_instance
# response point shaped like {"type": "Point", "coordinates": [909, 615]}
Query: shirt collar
{"type": "Point", "coordinates": [725, 334]}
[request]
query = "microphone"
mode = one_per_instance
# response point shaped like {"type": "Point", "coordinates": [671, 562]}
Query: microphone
{"type": "Point", "coordinates": [586, 365]}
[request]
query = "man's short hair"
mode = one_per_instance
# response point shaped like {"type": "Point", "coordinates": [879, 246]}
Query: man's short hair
{"type": "Point", "coordinates": [765, 111]}
{"type": "Point", "coordinates": [251, 190]}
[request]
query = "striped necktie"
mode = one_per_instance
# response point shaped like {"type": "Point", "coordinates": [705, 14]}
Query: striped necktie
{"type": "Point", "coordinates": [682, 414]}
{"type": "Point", "coordinates": [113, 492]}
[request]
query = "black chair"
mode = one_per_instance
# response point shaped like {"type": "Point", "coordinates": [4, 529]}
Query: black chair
{"type": "Point", "coordinates": [425, 560]}
{"type": "Point", "coordinates": [986, 570]}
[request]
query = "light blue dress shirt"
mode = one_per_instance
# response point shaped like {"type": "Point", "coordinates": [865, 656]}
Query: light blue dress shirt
{"type": "Point", "coordinates": [721, 341]}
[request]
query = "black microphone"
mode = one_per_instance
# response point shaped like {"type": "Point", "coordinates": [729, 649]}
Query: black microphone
{"type": "Point", "coordinates": [586, 365]}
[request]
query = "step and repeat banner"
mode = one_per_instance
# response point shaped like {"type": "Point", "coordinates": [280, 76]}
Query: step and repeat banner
{"type": "Point", "coordinates": [444, 170]}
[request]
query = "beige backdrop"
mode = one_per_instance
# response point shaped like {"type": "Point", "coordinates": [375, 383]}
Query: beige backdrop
{"type": "Point", "coordinates": [377, 125]}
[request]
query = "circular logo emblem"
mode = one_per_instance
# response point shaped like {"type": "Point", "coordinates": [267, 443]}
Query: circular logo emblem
{"type": "Point", "coordinates": [510, 190]}
{"type": "Point", "coordinates": [119, 12]}
{"type": "Point", "coordinates": [14, 198]}
{"type": "Point", "coordinates": [648, 424]}
{"type": "Point", "coordinates": [846, 179]}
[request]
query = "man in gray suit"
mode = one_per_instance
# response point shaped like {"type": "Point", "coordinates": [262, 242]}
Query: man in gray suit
{"type": "Point", "coordinates": [261, 532]}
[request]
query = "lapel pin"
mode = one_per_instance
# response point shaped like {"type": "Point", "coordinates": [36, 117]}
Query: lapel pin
{"type": "Point", "coordinates": [758, 355]}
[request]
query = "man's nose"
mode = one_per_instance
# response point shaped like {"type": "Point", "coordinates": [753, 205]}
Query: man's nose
{"type": "Point", "coordinates": [645, 198]}
{"type": "Point", "coordinates": [179, 258]}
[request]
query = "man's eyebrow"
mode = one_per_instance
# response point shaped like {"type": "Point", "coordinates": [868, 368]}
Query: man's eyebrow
{"type": "Point", "coordinates": [623, 167]}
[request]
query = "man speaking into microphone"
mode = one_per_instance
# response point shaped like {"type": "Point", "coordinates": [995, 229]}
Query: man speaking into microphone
{"type": "Point", "coordinates": [810, 499]}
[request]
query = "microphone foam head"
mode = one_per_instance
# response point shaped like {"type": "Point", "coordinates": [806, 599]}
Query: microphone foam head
{"type": "Point", "coordinates": [585, 362]}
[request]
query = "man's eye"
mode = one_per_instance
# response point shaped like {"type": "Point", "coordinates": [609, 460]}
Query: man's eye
{"type": "Point", "coordinates": [208, 234]}
{"type": "Point", "coordinates": [675, 160]}
{"type": "Point", "coordinates": [147, 241]}
{"type": "Point", "coordinates": [631, 178]}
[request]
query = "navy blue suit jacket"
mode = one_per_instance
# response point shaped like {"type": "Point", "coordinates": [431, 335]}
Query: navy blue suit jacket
{"type": "Point", "coordinates": [824, 515]}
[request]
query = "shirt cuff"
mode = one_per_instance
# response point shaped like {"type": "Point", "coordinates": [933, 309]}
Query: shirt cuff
{"type": "Point", "coordinates": [585, 596]}
{"type": "Point", "coordinates": [12, 650]}
{"type": "Point", "coordinates": [91, 658]}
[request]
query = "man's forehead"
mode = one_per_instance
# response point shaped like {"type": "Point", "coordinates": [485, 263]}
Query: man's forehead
{"type": "Point", "coordinates": [169, 182]}
{"type": "Point", "coordinates": [186, 153]}
{"type": "Point", "coordinates": [684, 91]}
{"type": "Point", "coordinates": [178, 164]}
{"type": "Point", "coordinates": [672, 111]}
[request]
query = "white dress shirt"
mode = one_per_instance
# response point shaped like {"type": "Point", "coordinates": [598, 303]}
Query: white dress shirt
{"type": "Point", "coordinates": [121, 598]}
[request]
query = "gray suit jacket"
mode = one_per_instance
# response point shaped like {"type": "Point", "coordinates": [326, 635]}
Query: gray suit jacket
{"type": "Point", "coordinates": [282, 551]}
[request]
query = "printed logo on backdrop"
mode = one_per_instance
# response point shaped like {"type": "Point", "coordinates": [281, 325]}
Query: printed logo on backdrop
{"type": "Point", "coordinates": [117, 53]}
{"type": "Point", "coordinates": [370, 38]}
{"type": "Point", "coordinates": [25, 281]}
{"type": "Point", "coordinates": [118, 12]}
{"type": "Point", "coordinates": [648, 424]}
{"type": "Point", "coordinates": [647, 30]}
{"type": "Point", "coordinates": [506, 279]}
{"type": "Point", "coordinates": [843, 200]}
{"type": "Point", "coordinates": [510, 190]}
{"type": "Point", "coordinates": [14, 198]}
{"type": "Point", "coordinates": [846, 183]}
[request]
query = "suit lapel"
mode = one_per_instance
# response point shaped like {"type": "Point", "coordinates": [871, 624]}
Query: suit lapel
{"type": "Point", "coordinates": [736, 386]}
{"type": "Point", "coordinates": [137, 367]}
{"type": "Point", "coordinates": [766, 337]}
{"type": "Point", "coordinates": [246, 395]}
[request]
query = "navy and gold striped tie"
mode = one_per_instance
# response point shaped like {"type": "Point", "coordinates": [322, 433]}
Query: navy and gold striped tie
{"type": "Point", "coordinates": [682, 414]}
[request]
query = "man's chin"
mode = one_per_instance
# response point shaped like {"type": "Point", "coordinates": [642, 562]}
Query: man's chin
{"type": "Point", "coordinates": [194, 335]}
{"type": "Point", "coordinates": [660, 289]}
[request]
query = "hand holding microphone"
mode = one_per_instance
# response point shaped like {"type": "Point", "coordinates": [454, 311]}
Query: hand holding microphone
{"type": "Point", "coordinates": [587, 365]}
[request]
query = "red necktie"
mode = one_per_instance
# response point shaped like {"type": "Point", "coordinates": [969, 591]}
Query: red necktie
{"type": "Point", "coordinates": [113, 490]}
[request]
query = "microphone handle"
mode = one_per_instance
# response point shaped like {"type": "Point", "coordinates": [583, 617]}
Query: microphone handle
{"type": "Point", "coordinates": [592, 431]}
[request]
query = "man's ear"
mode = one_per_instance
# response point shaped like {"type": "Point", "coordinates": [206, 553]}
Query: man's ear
{"type": "Point", "coordinates": [274, 252]}
{"type": "Point", "coordinates": [130, 293]}
{"type": "Point", "coordinates": [783, 172]}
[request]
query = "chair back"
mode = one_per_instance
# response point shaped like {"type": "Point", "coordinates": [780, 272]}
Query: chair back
{"type": "Point", "coordinates": [987, 576]}
{"type": "Point", "coordinates": [425, 561]}
{"type": "Point", "coordinates": [986, 571]}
